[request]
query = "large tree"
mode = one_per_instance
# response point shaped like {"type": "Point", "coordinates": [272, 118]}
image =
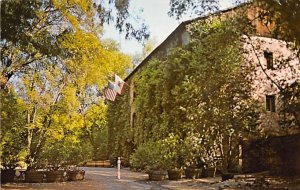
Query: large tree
{"type": "Point", "coordinates": [54, 59]}
{"type": "Point", "coordinates": [35, 29]}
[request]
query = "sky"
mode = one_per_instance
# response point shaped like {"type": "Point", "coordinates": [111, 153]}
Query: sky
{"type": "Point", "coordinates": [154, 13]}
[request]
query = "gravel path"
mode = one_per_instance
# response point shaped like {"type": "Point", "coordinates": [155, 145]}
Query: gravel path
{"type": "Point", "coordinates": [106, 179]}
{"type": "Point", "coordinates": [95, 179]}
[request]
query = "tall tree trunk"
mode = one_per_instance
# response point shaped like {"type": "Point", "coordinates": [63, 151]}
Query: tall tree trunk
{"type": "Point", "coordinates": [30, 122]}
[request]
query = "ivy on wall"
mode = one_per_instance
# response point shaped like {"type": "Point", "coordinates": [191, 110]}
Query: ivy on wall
{"type": "Point", "coordinates": [199, 93]}
{"type": "Point", "coordinates": [119, 131]}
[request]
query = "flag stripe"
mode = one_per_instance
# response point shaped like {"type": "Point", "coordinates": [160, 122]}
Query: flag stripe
{"type": "Point", "coordinates": [110, 94]}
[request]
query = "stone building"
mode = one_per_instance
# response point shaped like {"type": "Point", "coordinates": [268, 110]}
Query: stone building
{"type": "Point", "coordinates": [260, 51]}
{"type": "Point", "coordinates": [266, 56]}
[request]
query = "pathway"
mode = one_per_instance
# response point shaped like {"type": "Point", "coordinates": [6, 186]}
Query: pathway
{"type": "Point", "coordinates": [105, 179]}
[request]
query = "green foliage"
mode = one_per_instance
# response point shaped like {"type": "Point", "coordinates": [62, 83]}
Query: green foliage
{"type": "Point", "coordinates": [178, 8]}
{"type": "Point", "coordinates": [148, 104]}
{"type": "Point", "coordinates": [150, 156]}
{"type": "Point", "coordinates": [18, 15]}
{"type": "Point", "coordinates": [49, 32]}
{"type": "Point", "coordinates": [168, 153]}
{"type": "Point", "coordinates": [199, 96]}
{"type": "Point", "coordinates": [172, 150]}
{"type": "Point", "coordinates": [193, 150]}
{"type": "Point", "coordinates": [215, 94]}
{"type": "Point", "coordinates": [120, 134]}
{"type": "Point", "coordinates": [286, 22]}
{"type": "Point", "coordinates": [289, 112]}
{"type": "Point", "coordinates": [100, 143]}
{"type": "Point", "coordinates": [64, 152]}
{"type": "Point", "coordinates": [13, 133]}
{"type": "Point", "coordinates": [53, 51]}
{"type": "Point", "coordinates": [95, 129]}
{"type": "Point", "coordinates": [273, 12]}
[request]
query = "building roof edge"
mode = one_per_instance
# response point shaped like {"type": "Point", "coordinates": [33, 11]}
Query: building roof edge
{"type": "Point", "coordinates": [182, 24]}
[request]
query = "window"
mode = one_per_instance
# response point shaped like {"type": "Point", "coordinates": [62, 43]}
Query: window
{"type": "Point", "coordinates": [133, 120]}
{"type": "Point", "coordinates": [270, 103]}
{"type": "Point", "coordinates": [185, 38]}
{"type": "Point", "coordinates": [269, 57]}
{"type": "Point", "coordinates": [134, 96]}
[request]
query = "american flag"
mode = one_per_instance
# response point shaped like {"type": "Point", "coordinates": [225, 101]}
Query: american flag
{"type": "Point", "coordinates": [109, 94]}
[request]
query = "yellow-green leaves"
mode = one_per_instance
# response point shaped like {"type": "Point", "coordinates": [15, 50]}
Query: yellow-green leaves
{"type": "Point", "coordinates": [74, 11]}
{"type": "Point", "coordinates": [59, 66]}
{"type": "Point", "coordinates": [13, 128]}
{"type": "Point", "coordinates": [90, 62]}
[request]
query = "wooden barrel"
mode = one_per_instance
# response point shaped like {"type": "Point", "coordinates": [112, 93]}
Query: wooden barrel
{"type": "Point", "coordinates": [34, 176]}
{"type": "Point", "coordinates": [193, 173]}
{"type": "Point", "coordinates": [158, 175]}
{"type": "Point", "coordinates": [55, 176]}
{"type": "Point", "coordinates": [7, 175]}
{"type": "Point", "coordinates": [175, 174]}
{"type": "Point", "coordinates": [76, 175]}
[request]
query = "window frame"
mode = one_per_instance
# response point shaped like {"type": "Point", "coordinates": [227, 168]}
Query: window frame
{"type": "Point", "coordinates": [269, 59]}
{"type": "Point", "coordinates": [271, 103]}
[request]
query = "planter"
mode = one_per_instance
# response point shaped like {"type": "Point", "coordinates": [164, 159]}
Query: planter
{"type": "Point", "coordinates": [157, 175]}
{"type": "Point", "coordinates": [227, 176]}
{"type": "Point", "coordinates": [193, 173]}
{"type": "Point", "coordinates": [7, 175]}
{"type": "Point", "coordinates": [100, 163]}
{"type": "Point", "coordinates": [90, 164]}
{"type": "Point", "coordinates": [174, 174]}
{"type": "Point", "coordinates": [76, 175]}
{"type": "Point", "coordinates": [55, 176]}
{"type": "Point", "coordinates": [210, 172]}
{"type": "Point", "coordinates": [34, 176]}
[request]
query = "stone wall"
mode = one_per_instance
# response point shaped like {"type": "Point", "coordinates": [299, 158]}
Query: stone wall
{"type": "Point", "coordinates": [279, 155]}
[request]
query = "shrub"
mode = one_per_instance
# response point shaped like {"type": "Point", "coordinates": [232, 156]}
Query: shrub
{"type": "Point", "coordinates": [149, 156]}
